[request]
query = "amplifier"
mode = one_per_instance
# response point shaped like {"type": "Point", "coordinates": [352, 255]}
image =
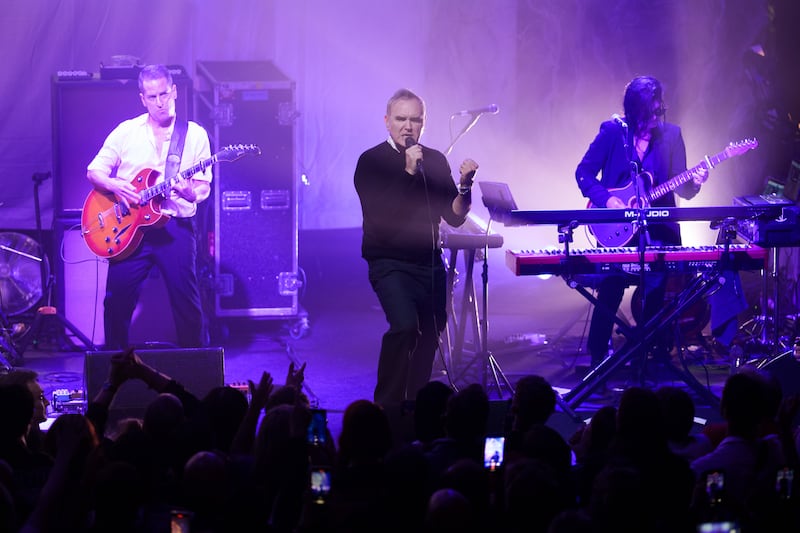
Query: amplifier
{"type": "Point", "coordinates": [774, 232]}
{"type": "Point", "coordinates": [82, 285]}
{"type": "Point", "coordinates": [84, 111]}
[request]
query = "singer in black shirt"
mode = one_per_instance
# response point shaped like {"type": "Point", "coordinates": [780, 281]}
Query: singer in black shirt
{"type": "Point", "coordinates": [406, 189]}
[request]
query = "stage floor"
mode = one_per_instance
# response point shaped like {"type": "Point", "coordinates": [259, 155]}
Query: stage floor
{"type": "Point", "coordinates": [534, 326]}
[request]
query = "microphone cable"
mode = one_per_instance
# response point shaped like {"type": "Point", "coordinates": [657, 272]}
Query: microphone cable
{"type": "Point", "coordinates": [434, 265]}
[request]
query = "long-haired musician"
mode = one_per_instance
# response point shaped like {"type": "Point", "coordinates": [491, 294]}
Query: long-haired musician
{"type": "Point", "coordinates": [640, 144]}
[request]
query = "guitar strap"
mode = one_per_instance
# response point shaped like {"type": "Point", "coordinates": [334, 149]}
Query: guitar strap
{"type": "Point", "coordinates": [176, 149]}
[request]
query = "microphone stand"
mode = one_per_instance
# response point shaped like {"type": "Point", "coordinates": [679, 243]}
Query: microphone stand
{"type": "Point", "coordinates": [643, 242]}
{"type": "Point", "coordinates": [463, 131]}
{"type": "Point", "coordinates": [491, 365]}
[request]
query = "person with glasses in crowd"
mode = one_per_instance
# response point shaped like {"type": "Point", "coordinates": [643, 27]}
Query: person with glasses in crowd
{"type": "Point", "coordinates": [144, 142]}
{"type": "Point", "coordinates": [625, 147]}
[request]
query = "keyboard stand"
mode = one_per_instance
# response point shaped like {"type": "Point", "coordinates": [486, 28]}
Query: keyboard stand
{"type": "Point", "coordinates": [467, 318]}
{"type": "Point", "coordinates": [493, 377]}
{"type": "Point", "coordinates": [700, 286]}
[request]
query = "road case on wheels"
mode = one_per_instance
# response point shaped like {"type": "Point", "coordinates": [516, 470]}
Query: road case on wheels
{"type": "Point", "coordinates": [255, 234]}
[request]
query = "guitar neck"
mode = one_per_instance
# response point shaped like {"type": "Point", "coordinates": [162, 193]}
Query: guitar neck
{"type": "Point", "coordinates": [669, 186]}
{"type": "Point", "coordinates": [164, 187]}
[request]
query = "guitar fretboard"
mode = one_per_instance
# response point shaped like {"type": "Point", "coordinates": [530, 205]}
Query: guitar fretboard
{"type": "Point", "coordinates": [708, 163]}
{"type": "Point", "coordinates": [669, 186]}
{"type": "Point", "coordinates": [164, 187]}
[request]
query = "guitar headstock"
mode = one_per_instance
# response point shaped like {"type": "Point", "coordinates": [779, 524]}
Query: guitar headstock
{"type": "Point", "coordinates": [738, 148]}
{"type": "Point", "coordinates": [232, 152]}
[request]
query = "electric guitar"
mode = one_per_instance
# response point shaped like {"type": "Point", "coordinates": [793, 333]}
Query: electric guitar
{"type": "Point", "coordinates": [112, 231]}
{"type": "Point", "coordinates": [612, 235]}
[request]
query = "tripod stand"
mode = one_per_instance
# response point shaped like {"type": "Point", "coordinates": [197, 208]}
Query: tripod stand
{"type": "Point", "coordinates": [764, 329]}
{"type": "Point", "coordinates": [491, 366]}
{"type": "Point", "coordinates": [7, 344]}
{"type": "Point", "coordinates": [490, 363]}
{"type": "Point", "coordinates": [47, 318]}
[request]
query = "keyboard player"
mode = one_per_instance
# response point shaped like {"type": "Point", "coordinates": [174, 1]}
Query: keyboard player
{"type": "Point", "coordinates": [642, 141]}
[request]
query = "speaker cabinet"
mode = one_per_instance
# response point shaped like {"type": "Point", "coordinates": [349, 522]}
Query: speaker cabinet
{"type": "Point", "coordinates": [198, 369]}
{"type": "Point", "coordinates": [81, 289]}
{"type": "Point", "coordinates": [84, 112]}
{"type": "Point", "coordinates": [255, 198]}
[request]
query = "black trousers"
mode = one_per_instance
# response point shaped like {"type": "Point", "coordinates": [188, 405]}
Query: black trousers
{"type": "Point", "coordinates": [611, 289]}
{"type": "Point", "coordinates": [173, 250]}
{"type": "Point", "coordinates": [413, 297]}
{"type": "Point", "coordinates": [609, 296]}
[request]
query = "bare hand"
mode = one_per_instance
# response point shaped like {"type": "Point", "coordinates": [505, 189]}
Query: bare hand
{"type": "Point", "coordinates": [185, 189]}
{"type": "Point", "coordinates": [700, 176]}
{"type": "Point", "coordinates": [467, 171]}
{"type": "Point", "coordinates": [296, 377]}
{"type": "Point", "coordinates": [121, 368]}
{"type": "Point", "coordinates": [413, 155]}
{"type": "Point", "coordinates": [125, 192]}
{"type": "Point", "coordinates": [260, 394]}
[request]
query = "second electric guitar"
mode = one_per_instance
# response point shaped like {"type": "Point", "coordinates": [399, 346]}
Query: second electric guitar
{"type": "Point", "coordinates": [113, 232]}
{"type": "Point", "coordinates": [611, 235]}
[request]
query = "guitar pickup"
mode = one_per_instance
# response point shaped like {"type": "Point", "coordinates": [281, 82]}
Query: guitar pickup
{"type": "Point", "coordinates": [237, 201]}
{"type": "Point", "coordinates": [120, 211]}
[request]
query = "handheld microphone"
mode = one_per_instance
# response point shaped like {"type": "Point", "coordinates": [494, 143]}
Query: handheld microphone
{"type": "Point", "coordinates": [409, 143]}
{"type": "Point", "coordinates": [492, 109]}
{"type": "Point", "coordinates": [619, 120]}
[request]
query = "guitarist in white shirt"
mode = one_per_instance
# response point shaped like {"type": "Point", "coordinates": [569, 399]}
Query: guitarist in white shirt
{"type": "Point", "coordinates": [140, 143]}
{"type": "Point", "coordinates": [642, 138]}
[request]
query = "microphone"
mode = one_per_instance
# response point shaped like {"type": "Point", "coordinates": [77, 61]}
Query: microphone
{"type": "Point", "coordinates": [491, 109]}
{"type": "Point", "coordinates": [619, 120]}
{"type": "Point", "coordinates": [409, 143]}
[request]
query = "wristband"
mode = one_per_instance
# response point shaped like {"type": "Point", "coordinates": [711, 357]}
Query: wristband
{"type": "Point", "coordinates": [464, 189]}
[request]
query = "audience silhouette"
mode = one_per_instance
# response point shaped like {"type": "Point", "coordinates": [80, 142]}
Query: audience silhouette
{"type": "Point", "coordinates": [232, 461]}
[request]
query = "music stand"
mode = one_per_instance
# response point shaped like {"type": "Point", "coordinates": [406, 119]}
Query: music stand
{"type": "Point", "coordinates": [497, 198]}
{"type": "Point", "coordinates": [500, 202]}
